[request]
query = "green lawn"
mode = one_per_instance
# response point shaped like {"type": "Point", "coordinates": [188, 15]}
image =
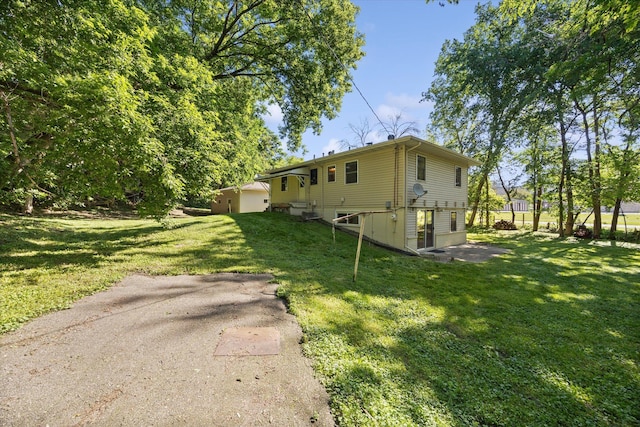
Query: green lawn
{"type": "Point", "coordinates": [632, 219]}
{"type": "Point", "coordinates": [546, 335]}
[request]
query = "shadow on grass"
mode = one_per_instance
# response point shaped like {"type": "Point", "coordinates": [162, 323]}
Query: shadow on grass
{"type": "Point", "coordinates": [27, 243]}
{"type": "Point", "coordinates": [547, 335]}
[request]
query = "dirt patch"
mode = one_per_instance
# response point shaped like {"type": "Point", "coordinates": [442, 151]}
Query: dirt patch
{"type": "Point", "coordinates": [142, 353]}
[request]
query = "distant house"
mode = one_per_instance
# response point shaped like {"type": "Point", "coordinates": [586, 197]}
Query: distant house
{"type": "Point", "coordinates": [253, 197]}
{"type": "Point", "coordinates": [519, 205]}
{"type": "Point", "coordinates": [630, 207]}
{"type": "Point", "coordinates": [417, 189]}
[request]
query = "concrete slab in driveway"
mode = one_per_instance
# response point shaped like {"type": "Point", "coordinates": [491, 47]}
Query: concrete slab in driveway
{"type": "Point", "coordinates": [142, 353]}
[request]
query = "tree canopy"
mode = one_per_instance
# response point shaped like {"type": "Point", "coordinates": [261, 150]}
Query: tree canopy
{"type": "Point", "coordinates": [161, 101]}
{"type": "Point", "coordinates": [554, 85]}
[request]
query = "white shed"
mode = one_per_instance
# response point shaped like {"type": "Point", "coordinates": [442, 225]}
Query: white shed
{"type": "Point", "coordinates": [253, 197]}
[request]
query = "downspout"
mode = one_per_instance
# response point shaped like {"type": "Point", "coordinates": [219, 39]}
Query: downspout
{"type": "Point", "coordinates": [321, 169]}
{"type": "Point", "coordinates": [406, 199]}
{"type": "Point", "coordinates": [395, 176]}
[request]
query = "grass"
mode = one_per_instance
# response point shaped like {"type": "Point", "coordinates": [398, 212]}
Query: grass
{"type": "Point", "coordinates": [632, 219]}
{"type": "Point", "coordinates": [546, 335]}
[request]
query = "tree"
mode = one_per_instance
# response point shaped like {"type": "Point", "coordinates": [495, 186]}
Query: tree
{"type": "Point", "coordinates": [482, 79]}
{"type": "Point", "coordinates": [398, 126]}
{"type": "Point", "coordinates": [361, 132]}
{"type": "Point", "coordinates": [590, 52]}
{"type": "Point", "coordinates": [539, 156]}
{"type": "Point", "coordinates": [621, 169]}
{"type": "Point", "coordinates": [157, 101]}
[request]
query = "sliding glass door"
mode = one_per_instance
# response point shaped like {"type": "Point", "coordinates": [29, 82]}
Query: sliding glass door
{"type": "Point", "coordinates": [425, 229]}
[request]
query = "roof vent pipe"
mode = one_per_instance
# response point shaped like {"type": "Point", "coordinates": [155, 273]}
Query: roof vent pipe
{"type": "Point", "coordinates": [390, 137]}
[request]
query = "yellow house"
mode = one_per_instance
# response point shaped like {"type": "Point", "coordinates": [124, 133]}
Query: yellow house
{"type": "Point", "coordinates": [253, 197]}
{"type": "Point", "coordinates": [414, 192]}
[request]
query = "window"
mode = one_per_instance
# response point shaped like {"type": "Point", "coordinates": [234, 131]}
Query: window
{"type": "Point", "coordinates": [265, 201]}
{"type": "Point", "coordinates": [301, 179]}
{"type": "Point", "coordinates": [351, 172]}
{"type": "Point", "coordinates": [354, 220]}
{"type": "Point", "coordinates": [421, 172]}
{"type": "Point", "coordinates": [331, 173]}
{"type": "Point", "coordinates": [458, 176]}
{"type": "Point", "coordinates": [314, 176]}
{"type": "Point", "coordinates": [454, 221]}
{"type": "Point", "coordinates": [283, 184]}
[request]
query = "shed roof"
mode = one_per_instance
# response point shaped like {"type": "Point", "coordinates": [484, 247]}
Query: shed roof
{"type": "Point", "coordinates": [252, 186]}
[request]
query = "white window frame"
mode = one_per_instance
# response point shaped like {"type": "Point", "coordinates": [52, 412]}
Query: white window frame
{"type": "Point", "coordinates": [335, 173]}
{"type": "Point", "coordinates": [357, 172]}
{"type": "Point", "coordinates": [457, 183]}
{"type": "Point", "coordinates": [418, 168]}
{"type": "Point", "coordinates": [354, 220]}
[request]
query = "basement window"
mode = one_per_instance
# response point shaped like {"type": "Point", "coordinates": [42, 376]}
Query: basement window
{"type": "Point", "coordinates": [354, 220]}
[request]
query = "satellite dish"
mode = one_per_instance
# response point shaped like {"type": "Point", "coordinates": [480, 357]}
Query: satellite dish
{"type": "Point", "coordinates": [417, 188]}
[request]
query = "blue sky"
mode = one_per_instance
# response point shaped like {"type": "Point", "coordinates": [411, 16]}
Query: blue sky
{"type": "Point", "coordinates": [403, 39]}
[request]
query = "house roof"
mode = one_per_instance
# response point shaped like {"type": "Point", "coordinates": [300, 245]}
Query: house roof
{"type": "Point", "coordinates": [252, 186]}
{"type": "Point", "coordinates": [409, 141]}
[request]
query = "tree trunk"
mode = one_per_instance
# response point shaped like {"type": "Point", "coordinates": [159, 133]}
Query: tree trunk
{"type": "Point", "coordinates": [563, 174]}
{"type": "Point", "coordinates": [597, 180]}
{"type": "Point", "coordinates": [476, 202]}
{"type": "Point", "coordinates": [570, 214]}
{"type": "Point", "coordinates": [593, 164]}
{"type": "Point", "coordinates": [486, 204]}
{"type": "Point", "coordinates": [537, 207]}
{"type": "Point", "coordinates": [508, 193]}
{"type": "Point", "coordinates": [28, 204]}
{"type": "Point", "coordinates": [614, 219]}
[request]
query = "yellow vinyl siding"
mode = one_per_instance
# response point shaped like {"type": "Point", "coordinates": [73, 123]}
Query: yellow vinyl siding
{"type": "Point", "coordinates": [375, 184]}
{"type": "Point", "coordinates": [386, 175]}
{"type": "Point", "coordinates": [442, 197]}
{"type": "Point", "coordinates": [291, 195]}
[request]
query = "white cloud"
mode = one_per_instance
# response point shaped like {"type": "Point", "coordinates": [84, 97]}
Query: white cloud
{"type": "Point", "coordinates": [404, 101]}
{"type": "Point", "coordinates": [408, 106]}
{"type": "Point", "coordinates": [385, 111]}
{"type": "Point", "coordinates": [273, 117]}
{"type": "Point", "coordinates": [400, 104]}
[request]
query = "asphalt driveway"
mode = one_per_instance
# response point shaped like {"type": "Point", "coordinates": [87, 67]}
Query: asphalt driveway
{"type": "Point", "coordinates": [216, 350]}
